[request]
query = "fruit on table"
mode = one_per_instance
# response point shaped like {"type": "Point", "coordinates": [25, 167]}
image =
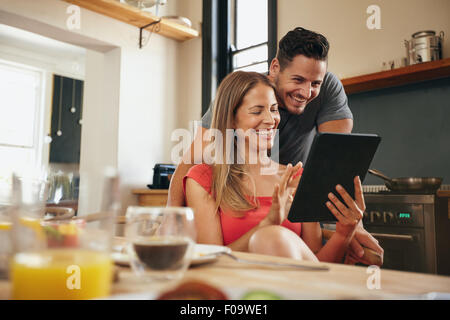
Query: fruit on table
{"type": "Point", "coordinates": [62, 235]}
{"type": "Point", "coordinates": [261, 295]}
{"type": "Point", "coordinates": [194, 290]}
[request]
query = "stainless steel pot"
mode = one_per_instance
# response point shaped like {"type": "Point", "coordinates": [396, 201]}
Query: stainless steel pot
{"type": "Point", "coordinates": [424, 46]}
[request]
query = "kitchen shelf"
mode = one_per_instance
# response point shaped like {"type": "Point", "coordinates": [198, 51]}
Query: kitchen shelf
{"type": "Point", "coordinates": [138, 18]}
{"type": "Point", "coordinates": [396, 77]}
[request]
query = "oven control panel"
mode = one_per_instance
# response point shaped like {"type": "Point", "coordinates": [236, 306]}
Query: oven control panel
{"type": "Point", "coordinates": [399, 215]}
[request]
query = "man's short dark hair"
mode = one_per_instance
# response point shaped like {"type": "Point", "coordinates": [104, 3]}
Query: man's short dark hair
{"type": "Point", "coordinates": [304, 42]}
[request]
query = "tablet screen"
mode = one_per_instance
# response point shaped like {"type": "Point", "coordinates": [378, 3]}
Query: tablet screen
{"type": "Point", "coordinates": [334, 158]}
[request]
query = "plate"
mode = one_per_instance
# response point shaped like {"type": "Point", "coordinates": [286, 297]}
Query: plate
{"type": "Point", "coordinates": [120, 259]}
{"type": "Point", "coordinates": [203, 253]}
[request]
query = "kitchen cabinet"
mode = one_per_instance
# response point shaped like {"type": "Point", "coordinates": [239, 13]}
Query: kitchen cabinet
{"type": "Point", "coordinates": [396, 77]}
{"type": "Point", "coordinates": [151, 197]}
{"type": "Point", "coordinates": [138, 18]}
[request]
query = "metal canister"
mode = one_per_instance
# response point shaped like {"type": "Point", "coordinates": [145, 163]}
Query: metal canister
{"type": "Point", "coordinates": [424, 46]}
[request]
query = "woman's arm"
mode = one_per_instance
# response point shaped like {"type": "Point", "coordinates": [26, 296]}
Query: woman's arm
{"type": "Point", "coordinates": [176, 196]}
{"type": "Point", "coordinates": [312, 236]}
{"type": "Point", "coordinates": [333, 251]}
{"type": "Point", "coordinates": [207, 221]}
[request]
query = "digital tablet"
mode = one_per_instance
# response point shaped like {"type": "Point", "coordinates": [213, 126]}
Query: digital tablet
{"type": "Point", "coordinates": [334, 159]}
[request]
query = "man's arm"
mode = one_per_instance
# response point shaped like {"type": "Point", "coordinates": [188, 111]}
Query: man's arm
{"type": "Point", "coordinates": [338, 126]}
{"type": "Point", "coordinates": [176, 195]}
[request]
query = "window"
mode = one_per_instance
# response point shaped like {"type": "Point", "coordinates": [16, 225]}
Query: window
{"type": "Point", "coordinates": [21, 117]}
{"type": "Point", "coordinates": [249, 45]}
{"type": "Point", "coordinates": [236, 35]}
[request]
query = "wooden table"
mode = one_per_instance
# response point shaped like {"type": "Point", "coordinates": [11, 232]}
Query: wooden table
{"type": "Point", "coordinates": [340, 282]}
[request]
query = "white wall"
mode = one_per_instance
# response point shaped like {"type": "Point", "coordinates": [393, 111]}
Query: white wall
{"type": "Point", "coordinates": [190, 67]}
{"type": "Point", "coordinates": [99, 143]}
{"type": "Point", "coordinates": [131, 95]}
{"type": "Point", "coordinates": [355, 49]}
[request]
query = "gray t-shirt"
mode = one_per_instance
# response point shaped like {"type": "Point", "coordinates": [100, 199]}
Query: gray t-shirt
{"type": "Point", "coordinates": [298, 131]}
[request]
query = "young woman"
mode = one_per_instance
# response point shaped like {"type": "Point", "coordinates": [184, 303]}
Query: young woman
{"type": "Point", "coordinates": [237, 204]}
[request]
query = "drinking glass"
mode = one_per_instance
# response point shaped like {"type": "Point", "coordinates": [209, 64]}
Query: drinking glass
{"type": "Point", "coordinates": [160, 241]}
{"type": "Point", "coordinates": [5, 222]}
{"type": "Point", "coordinates": [63, 259]}
{"type": "Point", "coordinates": [63, 186]}
{"type": "Point", "coordinates": [5, 239]}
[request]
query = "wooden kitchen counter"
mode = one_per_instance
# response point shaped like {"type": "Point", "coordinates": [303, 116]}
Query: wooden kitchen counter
{"type": "Point", "coordinates": [151, 197]}
{"type": "Point", "coordinates": [339, 282]}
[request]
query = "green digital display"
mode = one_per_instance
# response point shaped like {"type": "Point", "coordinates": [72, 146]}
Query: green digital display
{"type": "Point", "coordinates": [404, 215]}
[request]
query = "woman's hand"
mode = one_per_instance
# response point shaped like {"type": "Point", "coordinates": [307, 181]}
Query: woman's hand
{"type": "Point", "coordinates": [348, 215]}
{"type": "Point", "coordinates": [293, 184]}
{"type": "Point", "coordinates": [280, 199]}
{"type": "Point", "coordinates": [296, 175]}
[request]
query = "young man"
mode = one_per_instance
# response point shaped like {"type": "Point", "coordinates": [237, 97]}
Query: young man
{"type": "Point", "coordinates": [311, 100]}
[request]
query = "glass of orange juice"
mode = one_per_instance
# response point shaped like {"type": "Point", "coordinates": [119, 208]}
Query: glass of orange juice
{"type": "Point", "coordinates": [65, 259]}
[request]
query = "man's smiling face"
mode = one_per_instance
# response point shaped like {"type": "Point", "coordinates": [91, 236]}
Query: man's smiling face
{"type": "Point", "coordinates": [299, 82]}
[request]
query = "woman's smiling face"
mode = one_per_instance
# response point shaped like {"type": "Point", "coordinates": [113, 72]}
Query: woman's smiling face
{"type": "Point", "coordinates": [259, 113]}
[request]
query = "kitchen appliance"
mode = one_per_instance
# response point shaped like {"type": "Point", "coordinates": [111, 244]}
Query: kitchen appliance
{"type": "Point", "coordinates": [424, 46]}
{"type": "Point", "coordinates": [180, 20]}
{"type": "Point", "coordinates": [162, 173]}
{"type": "Point", "coordinates": [413, 229]}
{"type": "Point", "coordinates": [410, 184]}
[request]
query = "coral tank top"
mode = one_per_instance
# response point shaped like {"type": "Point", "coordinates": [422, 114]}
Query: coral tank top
{"type": "Point", "coordinates": [233, 226]}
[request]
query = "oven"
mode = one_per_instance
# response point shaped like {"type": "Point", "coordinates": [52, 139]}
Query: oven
{"type": "Point", "coordinates": [406, 227]}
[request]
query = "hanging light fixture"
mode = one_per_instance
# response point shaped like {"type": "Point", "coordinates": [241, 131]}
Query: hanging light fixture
{"type": "Point", "coordinates": [80, 122]}
{"type": "Point", "coordinates": [73, 109]}
{"type": "Point", "coordinates": [59, 132]}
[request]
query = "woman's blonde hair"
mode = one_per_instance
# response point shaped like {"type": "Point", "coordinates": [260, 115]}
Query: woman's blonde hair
{"type": "Point", "coordinates": [227, 178]}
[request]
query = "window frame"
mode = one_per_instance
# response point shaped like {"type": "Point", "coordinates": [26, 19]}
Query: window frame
{"type": "Point", "coordinates": [39, 111]}
{"type": "Point", "coordinates": [217, 52]}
